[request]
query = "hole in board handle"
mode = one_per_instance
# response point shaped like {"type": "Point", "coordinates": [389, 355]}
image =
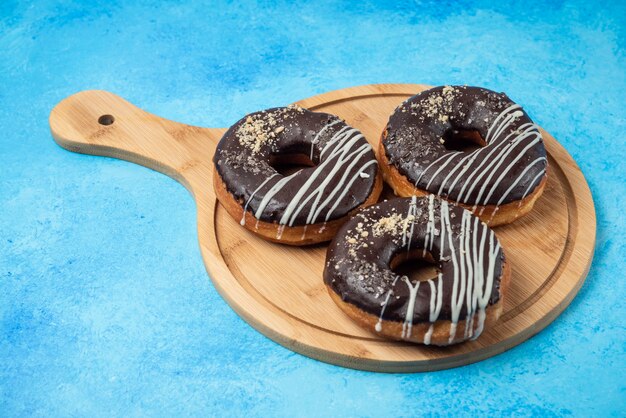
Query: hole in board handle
{"type": "Point", "coordinates": [106, 120]}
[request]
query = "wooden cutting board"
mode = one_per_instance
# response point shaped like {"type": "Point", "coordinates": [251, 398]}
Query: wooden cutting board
{"type": "Point", "coordinates": [279, 289]}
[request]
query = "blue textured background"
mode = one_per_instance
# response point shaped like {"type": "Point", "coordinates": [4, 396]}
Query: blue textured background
{"type": "Point", "coordinates": [105, 306]}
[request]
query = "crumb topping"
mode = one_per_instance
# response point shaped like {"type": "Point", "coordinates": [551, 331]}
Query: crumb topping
{"type": "Point", "coordinates": [245, 162]}
{"type": "Point", "coordinates": [262, 128]}
{"type": "Point", "coordinates": [256, 131]}
{"type": "Point", "coordinates": [437, 106]}
{"type": "Point", "coordinates": [296, 107]}
{"type": "Point", "coordinates": [387, 225]}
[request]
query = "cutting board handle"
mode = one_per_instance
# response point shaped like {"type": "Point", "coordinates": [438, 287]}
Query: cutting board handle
{"type": "Point", "coordinates": [101, 123]}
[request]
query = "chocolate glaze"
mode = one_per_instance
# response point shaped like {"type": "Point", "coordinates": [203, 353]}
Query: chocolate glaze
{"type": "Point", "coordinates": [414, 143]}
{"type": "Point", "coordinates": [358, 259]}
{"type": "Point", "coordinates": [343, 162]}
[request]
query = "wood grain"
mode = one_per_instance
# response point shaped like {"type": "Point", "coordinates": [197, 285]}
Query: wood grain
{"type": "Point", "coordinates": [279, 289]}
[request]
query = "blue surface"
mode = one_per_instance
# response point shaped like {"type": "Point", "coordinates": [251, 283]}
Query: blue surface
{"type": "Point", "coordinates": [105, 306]}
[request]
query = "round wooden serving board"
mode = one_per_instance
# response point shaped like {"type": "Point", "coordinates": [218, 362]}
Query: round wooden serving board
{"type": "Point", "coordinates": [279, 289]}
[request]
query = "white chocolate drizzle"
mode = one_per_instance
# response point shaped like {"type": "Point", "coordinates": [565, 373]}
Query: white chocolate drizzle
{"type": "Point", "coordinates": [474, 247]}
{"type": "Point", "coordinates": [472, 174]}
{"type": "Point", "coordinates": [245, 207]}
{"type": "Point", "coordinates": [345, 151]}
{"type": "Point", "coordinates": [379, 324]}
{"type": "Point", "coordinates": [316, 139]}
{"type": "Point", "coordinates": [408, 321]}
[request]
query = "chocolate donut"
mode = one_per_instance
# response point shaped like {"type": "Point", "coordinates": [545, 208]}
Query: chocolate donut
{"type": "Point", "coordinates": [307, 206]}
{"type": "Point", "coordinates": [499, 181]}
{"type": "Point", "coordinates": [464, 298]}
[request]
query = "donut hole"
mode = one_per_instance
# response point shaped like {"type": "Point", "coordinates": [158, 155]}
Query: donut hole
{"type": "Point", "coordinates": [464, 140]}
{"type": "Point", "coordinates": [287, 164]}
{"type": "Point", "coordinates": [416, 265]}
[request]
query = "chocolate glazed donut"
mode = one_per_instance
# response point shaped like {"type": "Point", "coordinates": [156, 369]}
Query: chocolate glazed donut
{"type": "Point", "coordinates": [307, 206]}
{"type": "Point", "coordinates": [499, 181]}
{"type": "Point", "coordinates": [464, 299]}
